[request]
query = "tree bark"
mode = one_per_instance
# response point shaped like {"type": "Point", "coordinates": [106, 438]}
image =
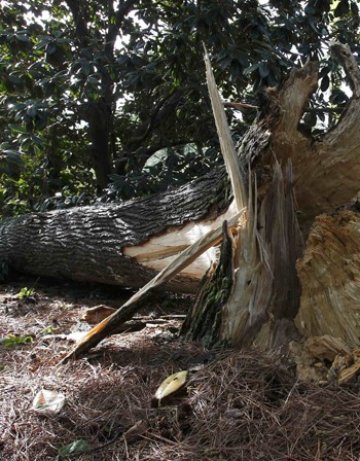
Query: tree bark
{"type": "Point", "coordinates": [99, 117]}
{"type": "Point", "coordinates": [124, 244]}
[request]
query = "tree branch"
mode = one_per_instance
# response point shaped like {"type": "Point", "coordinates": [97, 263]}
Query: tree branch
{"type": "Point", "coordinates": [293, 97]}
{"type": "Point", "coordinates": [345, 57]}
{"type": "Point", "coordinates": [157, 114]}
{"type": "Point", "coordinates": [113, 29]}
{"type": "Point", "coordinates": [79, 20]}
{"type": "Point", "coordinates": [327, 172]}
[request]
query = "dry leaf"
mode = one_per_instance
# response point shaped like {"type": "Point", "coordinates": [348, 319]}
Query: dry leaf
{"type": "Point", "coordinates": [171, 384]}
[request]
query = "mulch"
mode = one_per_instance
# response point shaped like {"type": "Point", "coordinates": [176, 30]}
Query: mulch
{"type": "Point", "coordinates": [237, 405]}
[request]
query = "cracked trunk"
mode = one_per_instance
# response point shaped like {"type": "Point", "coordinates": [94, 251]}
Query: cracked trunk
{"type": "Point", "coordinates": [269, 286]}
{"type": "Point", "coordinates": [282, 288]}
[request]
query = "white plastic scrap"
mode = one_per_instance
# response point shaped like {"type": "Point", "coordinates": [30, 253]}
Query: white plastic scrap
{"type": "Point", "coordinates": [48, 402]}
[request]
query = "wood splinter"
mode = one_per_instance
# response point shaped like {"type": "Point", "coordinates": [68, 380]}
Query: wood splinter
{"type": "Point", "coordinates": [107, 326]}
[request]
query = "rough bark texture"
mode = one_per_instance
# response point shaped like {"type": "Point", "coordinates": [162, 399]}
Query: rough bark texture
{"type": "Point", "coordinates": [205, 317]}
{"type": "Point", "coordinates": [90, 243]}
{"type": "Point", "coordinates": [99, 117]}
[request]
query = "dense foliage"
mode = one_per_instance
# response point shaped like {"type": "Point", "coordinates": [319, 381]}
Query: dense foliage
{"type": "Point", "coordinates": [107, 98]}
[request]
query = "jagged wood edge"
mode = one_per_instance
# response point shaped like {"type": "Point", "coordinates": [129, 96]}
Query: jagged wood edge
{"type": "Point", "coordinates": [107, 326]}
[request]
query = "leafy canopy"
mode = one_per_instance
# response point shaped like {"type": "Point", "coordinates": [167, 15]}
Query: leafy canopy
{"type": "Point", "coordinates": [108, 99]}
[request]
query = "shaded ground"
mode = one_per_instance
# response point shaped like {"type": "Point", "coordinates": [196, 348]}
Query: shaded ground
{"type": "Point", "coordinates": [239, 405]}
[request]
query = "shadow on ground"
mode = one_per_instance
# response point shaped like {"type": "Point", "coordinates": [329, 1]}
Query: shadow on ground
{"type": "Point", "coordinates": [238, 405]}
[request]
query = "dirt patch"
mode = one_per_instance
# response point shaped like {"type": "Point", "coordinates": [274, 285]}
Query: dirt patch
{"type": "Point", "coordinates": [238, 405]}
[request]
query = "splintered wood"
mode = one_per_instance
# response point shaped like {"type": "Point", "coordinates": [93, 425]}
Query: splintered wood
{"type": "Point", "coordinates": [330, 279]}
{"type": "Point", "coordinates": [329, 273]}
{"type": "Point", "coordinates": [111, 324]}
{"type": "Point", "coordinates": [290, 176]}
{"type": "Point", "coordinates": [322, 359]}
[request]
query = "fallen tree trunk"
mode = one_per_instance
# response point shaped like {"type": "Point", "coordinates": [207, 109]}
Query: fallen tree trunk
{"type": "Point", "coordinates": [286, 176]}
{"type": "Point", "coordinates": [125, 244]}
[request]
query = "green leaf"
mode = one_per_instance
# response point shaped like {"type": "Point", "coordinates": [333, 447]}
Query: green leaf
{"type": "Point", "coordinates": [25, 293]}
{"type": "Point", "coordinates": [12, 155]}
{"type": "Point", "coordinates": [354, 9]}
{"type": "Point", "coordinates": [74, 448]}
{"type": "Point", "coordinates": [15, 79]}
{"type": "Point", "coordinates": [13, 340]}
{"type": "Point", "coordinates": [51, 48]}
{"type": "Point", "coordinates": [342, 8]}
{"type": "Point", "coordinates": [22, 38]}
{"type": "Point", "coordinates": [31, 112]}
{"type": "Point", "coordinates": [251, 69]}
{"type": "Point", "coordinates": [264, 70]}
{"type": "Point", "coordinates": [325, 83]}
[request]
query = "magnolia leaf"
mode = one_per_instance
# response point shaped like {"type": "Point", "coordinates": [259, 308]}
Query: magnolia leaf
{"type": "Point", "coordinates": [171, 384]}
{"type": "Point", "coordinates": [74, 448]}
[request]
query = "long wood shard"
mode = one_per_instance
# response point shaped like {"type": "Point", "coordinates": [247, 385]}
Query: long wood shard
{"type": "Point", "coordinates": [127, 310]}
{"type": "Point", "coordinates": [226, 142]}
